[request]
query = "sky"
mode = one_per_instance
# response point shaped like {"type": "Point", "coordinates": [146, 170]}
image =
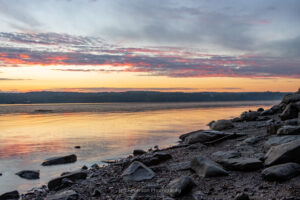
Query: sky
{"type": "Point", "coordinates": [169, 45]}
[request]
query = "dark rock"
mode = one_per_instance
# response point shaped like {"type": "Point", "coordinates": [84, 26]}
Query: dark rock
{"type": "Point", "coordinates": [137, 171]}
{"type": "Point", "coordinates": [207, 168]}
{"type": "Point", "coordinates": [249, 116]}
{"type": "Point", "coordinates": [196, 146]}
{"type": "Point", "coordinates": [281, 172]}
{"type": "Point", "coordinates": [277, 140]}
{"type": "Point", "coordinates": [0, 174]}
{"type": "Point", "coordinates": [291, 122]}
{"type": "Point", "coordinates": [241, 196]}
{"type": "Point", "coordinates": [60, 160]}
{"type": "Point", "coordinates": [260, 110]}
{"type": "Point", "coordinates": [29, 174]}
{"type": "Point", "coordinates": [204, 136]}
{"type": "Point", "coordinates": [263, 118]}
{"type": "Point", "coordinates": [138, 152]}
{"type": "Point", "coordinates": [211, 123]}
{"type": "Point", "coordinates": [251, 140]}
{"type": "Point", "coordinates": [289, 98]}
{"type": "Point", "coordinates": [96, 193]}
{"type": "Point", "coordinates": [222, 124]}
{"type": "Point", "coordinates": [153, 159]}
{"type": "Point", "coordinates": [10, 195]}
{"type": "Point", "coordinates": [147, 192]}
{"type": "Point", "coordinates": [198, 195]}
{"type": "Point", "coordinates": [273, 127]}
{"type": "Point", "coordinates": [267, 112]}
{"type": "Point", "coordinates": [84, 167]}
{"type": "Point", "coordinates": [277, 108]}
{"type": "Point", "coordinates": [241, 164]}
{"type": "Point", "coordinates": [77, 147]}
{"type": "Point", "coordinates": [236, 119]}
{"type": "Point", "coordinates": [183, 136]}
{"type": "Point", "coordinates": [290, 112]}
{"type": "Point", "coordinates": [95, 166]}
{"type": "Point", "coordinates": [226, 154]}
{"type": "Point", "coordinates": [288, 152]}
{"type": "Point", "coordinates": [180, 186]}
{"type": "Point", "coordinates": [57, 183]}
{"type": "Point", "coordinates": [64, 195]}
{"type": "Point", "coordinates": [289, 130]}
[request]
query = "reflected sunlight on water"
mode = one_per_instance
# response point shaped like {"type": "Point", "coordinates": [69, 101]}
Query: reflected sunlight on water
{"type": "Point", "coordinates": [27, 139]}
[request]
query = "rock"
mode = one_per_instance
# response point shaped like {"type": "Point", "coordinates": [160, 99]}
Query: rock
{"type": "Point", "coordinates": [207, 168]}
{"type": "Point", "coordinates": [241, 164]}
{"type": "Point", "coordinates": [241, 196]}
{"type": "Point", "coordinates": [196, 146]}
{"type": "Point", "coordinates": [263, 118]}
{"type": "Point", "coordinates": [198, 195]}
{"type": "Point", "coordinates": [277, 108]}
{"type": "Point", "coordinates": [222, 124]}
{"type": "Point", "coordinates": [180, 186]}
{"type": "Point", "coordinates": [251, 140]}
{"type": "Point", "coordinates": [60, 160]}
{"type": "Point", "coordinates": [226, 154]}
{"type": "Point", "coordinates": [183, 136]}
{"type": "Point", "coordinates": [65, 195]}
{"type": "Point", "coordinates": [267, 112]}
{"type": "Point", "coordinates": [287, 152]}
{"type": "Point", "coordinates": [204, 136]}
{"type": "Point", "coordinates": [273, 127]}
{"type": "Point", "coordinates": [281, 172]}
{"type": "Point", "coordinates": [153, 159]}
{"type": "Point", "coordinates": [147, 192]}
{"type": "Point", "coordinates": [137, 171]}
{"type": "Point", "coordinates": [260, 110]}
{"type": "Point", "coordinates": [277, 140]}
{"type": "Point", "coordinates": [289, 98]}
{"type": "Point", "coordinates": [291, 122]}
{"type": "Point", "coordinates": [289, 130]}
{"type": "Point", "coordinates": [57, 183]}
{"type": "Point", "coordinates": [138, 152]}
{"type": "Point", "coordinates": [10, 195]}
{"type": "Point", "coordinates": [180, 166]}
{"type": "Point", "coordinates": [29, 174]}
{"type": "Point", "coordinates": [84, 167]}
{"type": "Point", "coordinates": [236, 119]}
{"type": "Point", "coordinates": [95, 167]}
{"type": "Point", "coordinates": [290, 112]}
{"type": "Point", "coordinates": [77, 147]}
{"type": "Point", "coordinates": [0, 174]}
{"type": "Point", "coordinates": [249, 116]}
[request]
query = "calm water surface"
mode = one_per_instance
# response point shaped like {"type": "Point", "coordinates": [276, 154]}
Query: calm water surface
{"type": "Point", "coordinates": [104, 131]}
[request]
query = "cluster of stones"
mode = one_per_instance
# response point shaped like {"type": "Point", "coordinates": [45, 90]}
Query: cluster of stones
{"type": "Point", "coordinates": [277, 163]}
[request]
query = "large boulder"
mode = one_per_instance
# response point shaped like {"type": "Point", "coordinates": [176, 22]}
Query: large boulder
{"type": "Point", "coordinates": [281, 172]}
{"type": "Point", "coordinates": [221, 125]}
{"type": "Point", "coordinates": [58, 183]}
{"type": "Point", "coordinates": [273, 127]}
{"type": "Point", "coordinates": [14, 195]}
{"type": "Point", "coordinates": [29, 174]}
{"type": "Point", "coordinates": [60, 160]}
{"type": "Point", "coordinates": [180, 186]}
{"type": "Point", "coordinates": [290, 112]}
{"type": "Point", "coordinates": [249, 116]}
{"type": "Point", "coordinates": [241, 164]}
{"type": "Point", "coordinates": [289, 98]}
{"type": "Point", "coordinates": [205, 167]}
{"type": "Point", "coordinates": [64, 195]}
{"type": "Point", "coordinates": [289, 130]}
{"type": "Point", "coordinates": [267, 112]}
{"type": "Point", "coordinates": [277, 140]}
{"type": "Point", "coordinates": [137, 171]}
{"type": "Point", "coordinates": [288, 152]}
{"type": "Point", "coordinates": [204, 136]}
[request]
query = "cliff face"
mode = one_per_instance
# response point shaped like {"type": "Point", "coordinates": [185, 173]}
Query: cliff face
{"type": "Point", "coordinates": [253, 156]}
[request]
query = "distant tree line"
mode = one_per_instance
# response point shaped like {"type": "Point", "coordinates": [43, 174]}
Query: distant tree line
{"type": "Point", "coordinates": [136, 96]}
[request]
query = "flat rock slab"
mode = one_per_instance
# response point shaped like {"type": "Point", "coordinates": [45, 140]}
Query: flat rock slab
{"type": "Point", "coordinates": [65, 195]}
{"type": "Point", "coordinates": [180, 166]}
{"type": "Point", "coordinates": [205, 136]}
{"type": "Point", "coordinates": [180, 186]}
{"type": "Point", "coordinates": [205, 167]}
{"type": "Point", "coordinates": [137, 171]}
{"type": "Point", "coordinates": [57, 183]}
{"type": "Point", "coordinates": [289, 130]}
{"type": "Point", "coordinates": [288, 152]}
{"type": "Point", "coordinates": [10, 195]}
{"type": "Point", "coordinates": [60, 160]}
{"type": "Point", "coordinates": [241, 164]}
{"type": "Point", "coordinates": [226, 154]}
{"type": "Point", "coordinates": [152, 159]}
{"type": "Point", "coordinates": [282, 172]}
{"type": "Point", "coordinates": [277, 140]}
{"type": "Point", "coordinates": [29, 174]}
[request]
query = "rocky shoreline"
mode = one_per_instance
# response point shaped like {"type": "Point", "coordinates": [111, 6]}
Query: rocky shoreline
{"type": "Point", "coordinates": [254, 156]}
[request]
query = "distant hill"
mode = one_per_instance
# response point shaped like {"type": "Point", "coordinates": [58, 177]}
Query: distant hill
{"type": "Point", "coordinates": [136, 96]}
